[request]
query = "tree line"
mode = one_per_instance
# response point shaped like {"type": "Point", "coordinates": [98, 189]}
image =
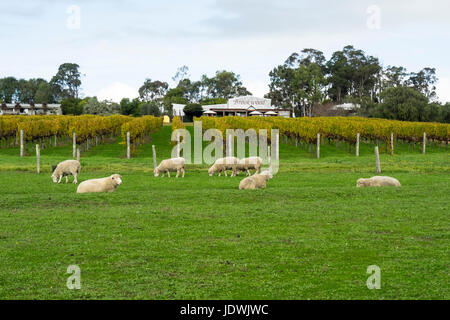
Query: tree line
{"type": "Point", "coordinates": [303, 83]}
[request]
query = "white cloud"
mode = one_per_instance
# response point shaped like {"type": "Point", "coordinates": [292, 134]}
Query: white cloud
{"type": "Point", "coordinates": [443, 89]}
{"type": "Point", "coordinates": [116, 91]}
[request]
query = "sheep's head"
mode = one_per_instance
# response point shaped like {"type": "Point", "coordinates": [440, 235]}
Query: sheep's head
{"type": "Point", "coordinates": [211, 171]}
{"type": "Point", "coordinates": [361, 182]}
{"type": "Point", "coordinates": [117, 178]}
{"type": "Point", "coordinates": [268, 174]}
{"type": "Point", "coordinates": [54, 178]}
{"type": "Point", "coordinates": [156, 172]}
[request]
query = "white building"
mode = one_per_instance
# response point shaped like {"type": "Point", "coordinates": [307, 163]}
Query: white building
{"type": "Point", "coordinates": [241, 106]}
{"type": "Point", "coordinates": [29, 109]}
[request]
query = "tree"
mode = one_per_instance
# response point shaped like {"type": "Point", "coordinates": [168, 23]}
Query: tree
{"type": "Point", "coordinates": [192, 110]}
{"type": "Point", "coordinates": [353, 73]}
{"type": "Point", "coordinates": [182, 74]}
{"type": "Point", "coordinates": [299, 82]}
{"type": "Point", "coordinates": [67, 81]}
{"type": "Point", "coordinates": [128, 107]}
{"type": "Point", "coordinates": [71, 106]}
{"type": "Point", "coordinates": [424, 81]}
{"type": "Point", "coordinates": [224, 84]}
{"type": "Point", "coordinates": [104, 108]}
{"type": "Point", "coordinates": [402, 103]}
{"type": "Point", "coordinates": [153, 90]}
{"type": "Point", "coordinates": [8, 89]}
{"type": "Point", "coordinates": [150, 108]}
{"type": "Point", "coordinates": [43, 93]}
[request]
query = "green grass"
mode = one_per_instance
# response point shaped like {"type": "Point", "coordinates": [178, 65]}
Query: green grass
{"type": "Point", "coordinates": [310, 235]}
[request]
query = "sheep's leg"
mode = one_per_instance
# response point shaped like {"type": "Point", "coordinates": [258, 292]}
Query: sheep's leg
{"type": "Point", "coordinates": [75, 178]}
{"type": "Point", "coordinates": [225, 171]}
{"type": "Point", "coordinates": [168, 173]}
{"type": "Point", "coordinates": [248, 172]}
{"type": "Point", "coordinates": [67, 179]}
{"type": "Point", "coordinates": [60, 177]}
{"type": "Point", "coordinates": [178, 173]}
{"type": "Point", "coordinates": [182, 170]}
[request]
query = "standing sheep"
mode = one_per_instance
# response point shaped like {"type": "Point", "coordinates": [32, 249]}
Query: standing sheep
{"type": "Point", "coordinates": [256, 181]}
{"type": "Point", "coordinates": [108, 184]}
{"type": "Point", "coordinates": [224, 164]}
{"type": "Point", "coordinates": [249, 163]}
{"type": "Point", "coordinates": [378, 181]}
{"type": "Point", "coordinates": [174, 164]}
{"type": "Point", "coordinates": [66, 168]}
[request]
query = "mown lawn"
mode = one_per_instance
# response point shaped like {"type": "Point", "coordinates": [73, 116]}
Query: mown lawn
{"type": "Point", "coordinates": [310, 235]}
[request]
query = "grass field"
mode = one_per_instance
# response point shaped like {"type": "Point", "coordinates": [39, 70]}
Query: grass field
{"type": "Point", "coordinates": [310, 235]}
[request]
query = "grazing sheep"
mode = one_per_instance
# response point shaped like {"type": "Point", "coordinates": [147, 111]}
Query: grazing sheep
{"type": "Point", "coordinates": [256, 181]}
{"type": "Point", "coordinates": [174, 164]}
{"type": "Point", "coordinates": [378, 181]}
{"type": "Point", "coordinates": [66, 168]}
{"type": "Point", "coordinates": [224, 164]}
{"type": "Point", "coordinates": [249, 163]}
{"type": "Point", "coordinates": [108, 184]}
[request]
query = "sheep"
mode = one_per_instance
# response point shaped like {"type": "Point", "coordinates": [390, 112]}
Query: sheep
{"type": "Point", "coordinates": [378, 181]}
{"type": "Point", "coordinates": [249, 163]}
{"type": "Point", "coordinates": [66, 168]}
{"type": "Point", "coordinates": [224, 164]}
{"type": "Point", "coordinates": [174, 164]}
{"type": "Point", "coordinates": [108, 184]}
{"type": "Point", "coordinates": [256, 181]}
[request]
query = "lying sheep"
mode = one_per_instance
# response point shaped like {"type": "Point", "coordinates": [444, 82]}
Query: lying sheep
{"type": "Point", "coordinates": [256, 181]}
{"type": "Point", "coordinates": [108, 184]}
{"type": "Point", "coordinates": [174, 164]}
{"type": "Point", "coordinates": [249, 163]}
{"type": "Point", "coordinates": [378, 181]}
{"type": "Point", "coordinates": [224, 164]}
{"type": "Point", "coordinates": [66, 168]}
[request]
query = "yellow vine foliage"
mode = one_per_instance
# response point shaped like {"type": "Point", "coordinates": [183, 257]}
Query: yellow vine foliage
{"type": "Point", "coordinates": [141, 127]}
{"type": "Point", "coordinates": [177, 124]}
{"type": "Point", "coordinates": [336, 128]}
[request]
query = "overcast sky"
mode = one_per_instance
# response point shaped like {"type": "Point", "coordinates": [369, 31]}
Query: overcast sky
{"type": "Point", "coordinates": [118, 44]}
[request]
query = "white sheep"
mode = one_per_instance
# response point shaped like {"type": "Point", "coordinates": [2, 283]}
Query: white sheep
{"type": "Point", "coordinates": [174, 164]}
{"type": "Point", "coordinates": [378, 181]}
{"type": "Point", "coordinates": [249, 163]}
{"type": "Point", "coordinates": [66, 168]}
{"type": "Point", "coordinates": [108, 184]}
{"type": "Point", "coordinates": [224, 164]}
{"type": "Point", "coordinates": [256, 181]}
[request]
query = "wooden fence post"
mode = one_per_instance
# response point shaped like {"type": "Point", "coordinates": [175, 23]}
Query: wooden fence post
{"type": "Point", "coordinates": [357, 144]}
{"type": "Point", "coordinates": [377, 160]}
{"type": "Point", "coordinates": [38, 158]}
{"type": "Point", "coordinates": [318, 146]}
{"type": "Point", "coordinates": [74, 145]}
{"type": "Point", "coordinates": [78, 154]}
{"type": "Point", "coordinates": [21, 142]}
{"type": "Point", "coordinates": [128, 145]}
{"type": "Point", "coordinates": [424, 142]}
{"type": "Point", "coordinates": [269, 156]}
{"type": "Point", "coordinates": [154, 156]}
{"type": "Point", "coordinates": [392, 143]}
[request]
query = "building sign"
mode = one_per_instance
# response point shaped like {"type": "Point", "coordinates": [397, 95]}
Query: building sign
{"type": "Point", "coordinates": [245, 102]}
